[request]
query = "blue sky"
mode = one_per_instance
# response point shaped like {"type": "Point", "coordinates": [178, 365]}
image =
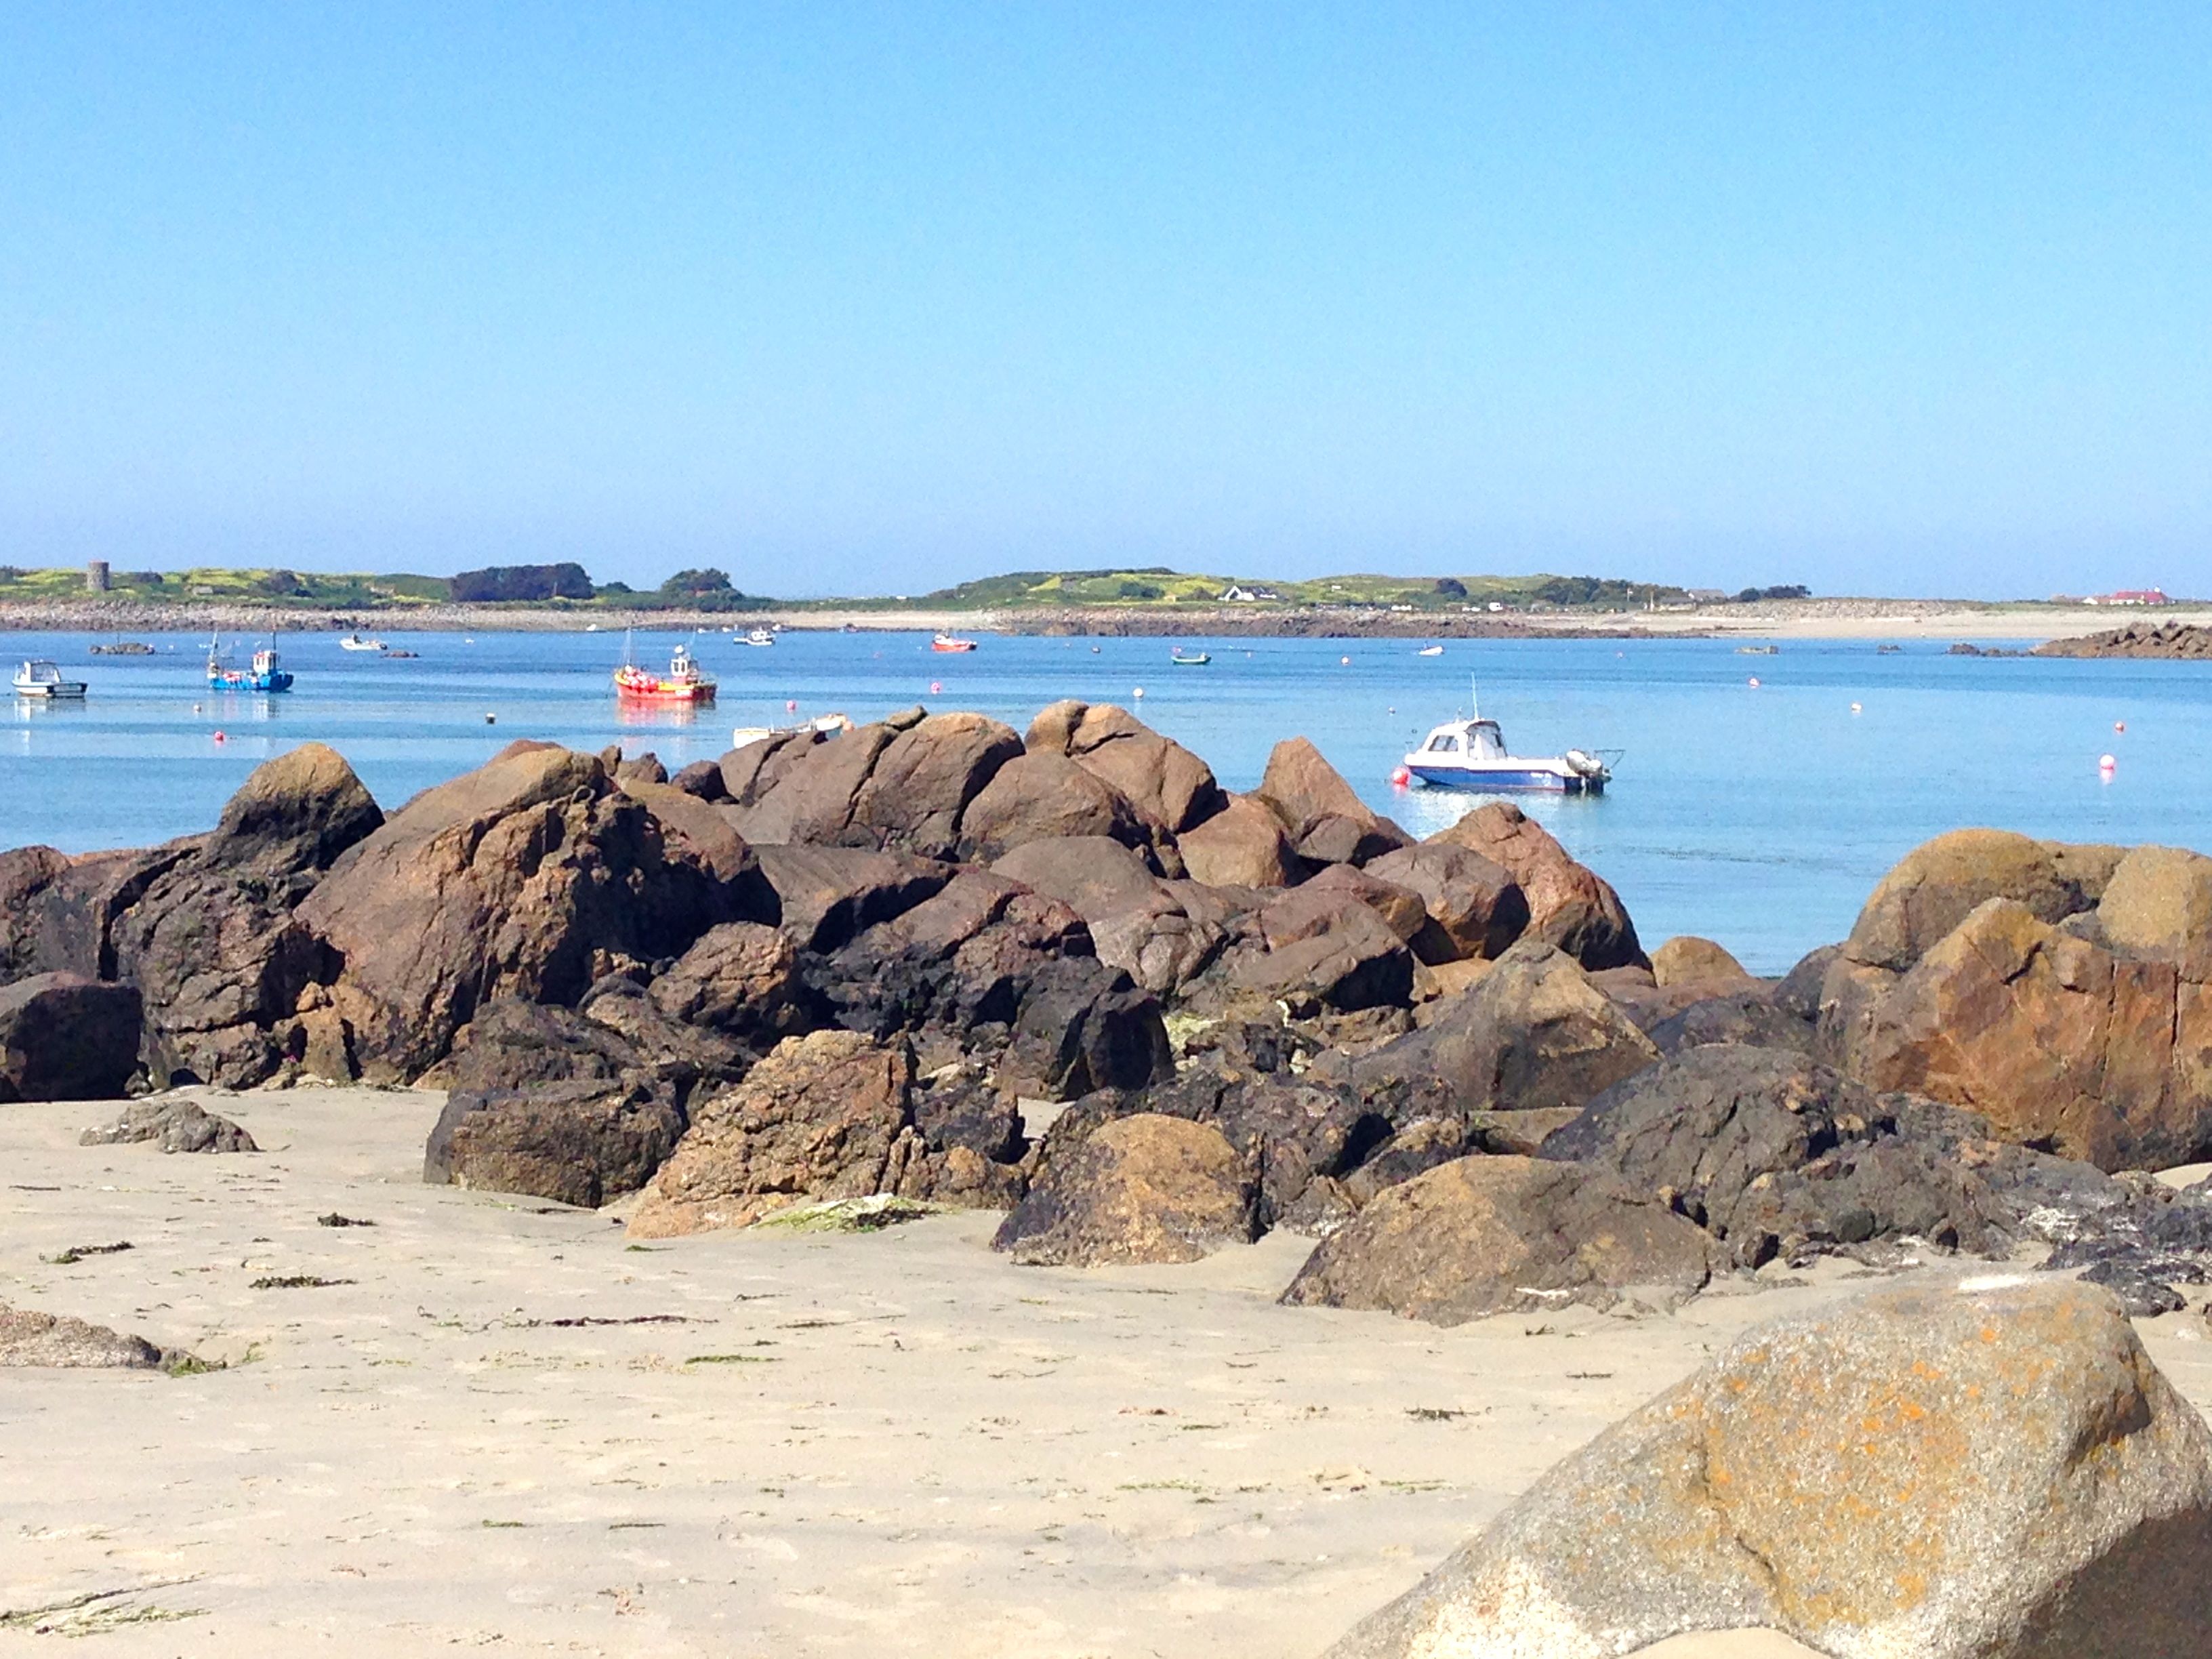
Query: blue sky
{"type": "Point", "coordinates": [1899, 298]}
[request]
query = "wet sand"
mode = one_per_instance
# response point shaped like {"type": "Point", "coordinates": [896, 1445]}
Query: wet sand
{"type": "Point", "coordinates": [894, 1443]}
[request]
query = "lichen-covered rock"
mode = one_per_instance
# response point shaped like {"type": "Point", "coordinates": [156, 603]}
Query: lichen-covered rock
{"type": "Point", "coordinates": [1481, 1235]}
{"type": "Point", "coordinates": [28, 1338]}
{"type": "Point", "coordinates": [64, 1036]}
{"type": "Point", "coordinates": [1570, 907]}
{"type": "Point", "coordinates": [175, 1125]}
{"type": "Point", "coordinates": [1934, 887]}
{"type": "Point", "coordinates": [1143, 1188]}
{"type": "Point", "coordinates": [2158, 904]}
{"type": "Point", "coordinates": [1995, 1472]}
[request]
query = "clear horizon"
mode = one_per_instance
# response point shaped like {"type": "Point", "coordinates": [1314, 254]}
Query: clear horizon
{"type": "Point", "coordinates": [1862, 297]}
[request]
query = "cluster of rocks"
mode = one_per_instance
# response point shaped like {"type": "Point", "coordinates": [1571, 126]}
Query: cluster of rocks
{"type": "Point", "coordinates": [834, 966]}
{"type": "Point", "coordinates": [2187, 642]}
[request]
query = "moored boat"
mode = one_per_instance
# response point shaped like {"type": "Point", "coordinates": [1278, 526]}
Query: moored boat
{"type": "Point", "coordinates": [38, 678]}
{"type": "Point", "coordinates": [1430, 651]}
{"type": "Point", "coordinates": [265, 675]}
{"type": "Point", "coordinates": [1472, 753]}
{"type": "Point", "coordinates": [355, 642]}
{"type": "Point", "coordinates": [950, 642]}
{"type": "Point", "coordinates": [758, 636]}
{"type": "Point", "coordinates": [1181, 661]}
{"type": "Point", "coordinates": [685, 682]}
{"type": "Point", "coordinates": [826, 725]}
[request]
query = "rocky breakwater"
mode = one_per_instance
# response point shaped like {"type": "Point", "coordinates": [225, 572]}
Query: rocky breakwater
{"type": "Point", "coordinates": [2172, 641]}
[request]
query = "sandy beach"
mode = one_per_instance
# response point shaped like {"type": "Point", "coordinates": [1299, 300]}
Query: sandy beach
{"type": "Point", "coordinates": [504, 1423]}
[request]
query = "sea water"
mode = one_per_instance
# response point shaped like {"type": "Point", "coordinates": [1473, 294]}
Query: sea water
{"type": "Point", "coordinates": [1758, 816]}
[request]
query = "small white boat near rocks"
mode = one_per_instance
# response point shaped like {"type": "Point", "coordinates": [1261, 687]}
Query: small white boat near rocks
{"type": "Point", "coordinates": [828, 726]}
{"type": "Point", "coordinates": [1472, 753]}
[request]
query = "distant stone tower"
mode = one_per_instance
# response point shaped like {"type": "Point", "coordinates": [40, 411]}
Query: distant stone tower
{"type": "Point", "coordinates": [95, 576]}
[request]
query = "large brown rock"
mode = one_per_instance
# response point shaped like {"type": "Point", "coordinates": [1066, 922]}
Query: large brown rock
{"type": "Point", "coordinates": [1093, 875]}
{"type": "Point", "coordinates": [1166, 781]}
{"type": "Point", "coordinates": [748, 773]}
{"type": "Point", "coordinates": [1480, 1236]}
{"type": "Point", "coordinates": [1570, 906]}
{"type": "Point", "coordinates": [924, 778]}
{"type": "Point", "coordinates": [211, 941]}
{"type": "Point", "coordinates": [812, 803]}
{"type": "Point", "coordinates": [64, 1036]}
{"type": "Point", "coordinates": [1477, 908]}
{"type": "Point", "coordinates": [57, 912]}
{"type": "Point", "coordinates": [1687, 959]}
{"type": "Point", "coordinates": [820, 1117]}
{"type": "Point", "coordinates": [1143, 1188]}
{"type": "Point", "coordinates": [1327, 821]}
{"type": "Point", "coordinates": [1037, 797]}
{"type": "Point", "coordinates": [1351, 960]}
{"type": "Point", "coordinates": [741, 978]}
{"type": "Point", "coordinates": [1934, 887]}
{"type": "Point", "coordinates": [581, 1142]}
{"type": "Point", "coordinates": [530, 877]}
{"type": "Point", "coordinates": [1242, 845]}
{"type": "Point", "coordinates": [827, 895]}
{"type": "Point", "coordinates": [1997, 1473]}
{"type": "Point", "coordinates": [2158, 904]}
{"type": "Point", "coordinates": [702, 833]}
{"type": "Point", "coordinates": [1082, 1026]}
{"type": "Point", "coordinates": [2056, 1042]}
{"type": "Point", "coordinates": [1321, 903]}
{"type": "Point", "coordinates": [1533, 1034]}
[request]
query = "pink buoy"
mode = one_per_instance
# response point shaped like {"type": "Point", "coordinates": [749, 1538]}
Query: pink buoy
{"type": "Point", "coordinates": [1754, 681]}
{"type": "Point", "coordinates": [2119, 725]}
{"type": "Point", "coordinates": [221, 738]}
{"type": "Point", "coordinates": [936, 688]}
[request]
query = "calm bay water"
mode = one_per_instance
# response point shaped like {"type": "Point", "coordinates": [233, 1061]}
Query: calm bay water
{"type": "Point", "coordinates": [1759, 817]}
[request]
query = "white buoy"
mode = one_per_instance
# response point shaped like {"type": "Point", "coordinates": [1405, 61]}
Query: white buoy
{"type": "Point", "coordinates": [1139, 694]}
{"type": "Point", "coordinates": [1855, 709]}
{"type": "Point", "coordinates": [1754, 681]}
{"type": "Point", "coordinates": [1346, 661]}
{"type": "Point", "coordinates": [2105, 763]}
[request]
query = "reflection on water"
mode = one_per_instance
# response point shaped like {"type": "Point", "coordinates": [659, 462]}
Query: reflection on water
{"type": "Point", "coordinates": [666, 716]}
{"type": "Point", "coordinates": [1424, 809]}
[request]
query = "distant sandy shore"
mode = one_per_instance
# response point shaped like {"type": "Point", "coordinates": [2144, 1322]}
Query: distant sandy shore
{"type": "Point", "coordinates": [1803, 619]}
{"type": "Point", "coordinates": [805, 1445]}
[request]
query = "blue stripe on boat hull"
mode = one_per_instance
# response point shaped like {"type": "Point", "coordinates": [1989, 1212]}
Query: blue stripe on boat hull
{"type": "Point", "coordinates": [1456, 777]}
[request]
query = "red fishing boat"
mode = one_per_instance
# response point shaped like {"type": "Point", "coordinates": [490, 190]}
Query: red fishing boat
{"type": "Point", "coordinates": [685, 682]}
{"type": "Point", "coordinates": [951, 642]}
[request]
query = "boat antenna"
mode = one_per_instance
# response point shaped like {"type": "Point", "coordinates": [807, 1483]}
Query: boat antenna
{"type": "Point", "coordinates": [1473, 699]}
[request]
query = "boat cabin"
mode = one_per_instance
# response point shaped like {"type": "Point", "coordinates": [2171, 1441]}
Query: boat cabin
{"type": "Point", "coordinates": [1465, 740]}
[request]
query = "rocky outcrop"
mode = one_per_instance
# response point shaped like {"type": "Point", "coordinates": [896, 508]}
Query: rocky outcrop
{"type": "Point", "coordinates": [1142, 1189]}
{"type": "Point", "coordinates": [1038, 796]}
{"type": "Point", "coordinates": [1935, 886]}
{"type": "Point", "coordinates": [1351, 960]}
{"type": "Point", "coordinates": [28, 1338]}
{"type": "Point", "coordinates": [2152, 641]}
{"type": "Point", "coordinates": [1570, 906]}
{"type": "Point", "coordinates": [1533, 1034]}
{"type": "Point", "coordinates": [1084, 1026]}
{"type": "Point", "coordinates": [2158, 907]}
{"type": "Point", "coordinates": [1162, 779]}
{"type": "Point", "coordinates": [64, 1036]}
{"type": "Point", "coordinates": [920, 785]}
{"type": "Point", "coordinates": [1480, 1236]}
{"type": "Point", "coordinates": [1778, 1156]}
{"type": "Point", "coordinates": [2056, 1042]}
{"type": "Point", "coordinates": [741, 979]}
{"type": "Point", "coordinates": [175, 1125]}
{"type": "Point", "coordinates": [1951, 1473]}
{"type": "Point", "coordinates": [828, 895]}
{"type": "Point", "coordinates": [1475, 907]}
{"type": "Point", "coordinates": [1749, 1016]}
{"type": "Point", "coordinates": [1326, 820]}
{"type": "Point", "coordinates": [532, 877]}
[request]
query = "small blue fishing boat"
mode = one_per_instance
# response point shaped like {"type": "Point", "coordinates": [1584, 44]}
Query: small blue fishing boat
{"type": "Point", "coordinates": [264, 676]}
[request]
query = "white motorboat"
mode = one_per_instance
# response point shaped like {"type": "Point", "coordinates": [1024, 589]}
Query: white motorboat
{"type": "Point", "coordinates": [758, 636]}
{"type": "Point", "coordinates": [1430, 651]}
{"type": "Point", "coordinates": [355, 642]}
{"type": "Point", "coordinates": [1472, 753]}
{"type": "Point", "coordinates": [40, 678]}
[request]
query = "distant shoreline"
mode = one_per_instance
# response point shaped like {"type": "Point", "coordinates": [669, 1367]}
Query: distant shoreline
{"type": "Point", "coordinates": [1781, 619]}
